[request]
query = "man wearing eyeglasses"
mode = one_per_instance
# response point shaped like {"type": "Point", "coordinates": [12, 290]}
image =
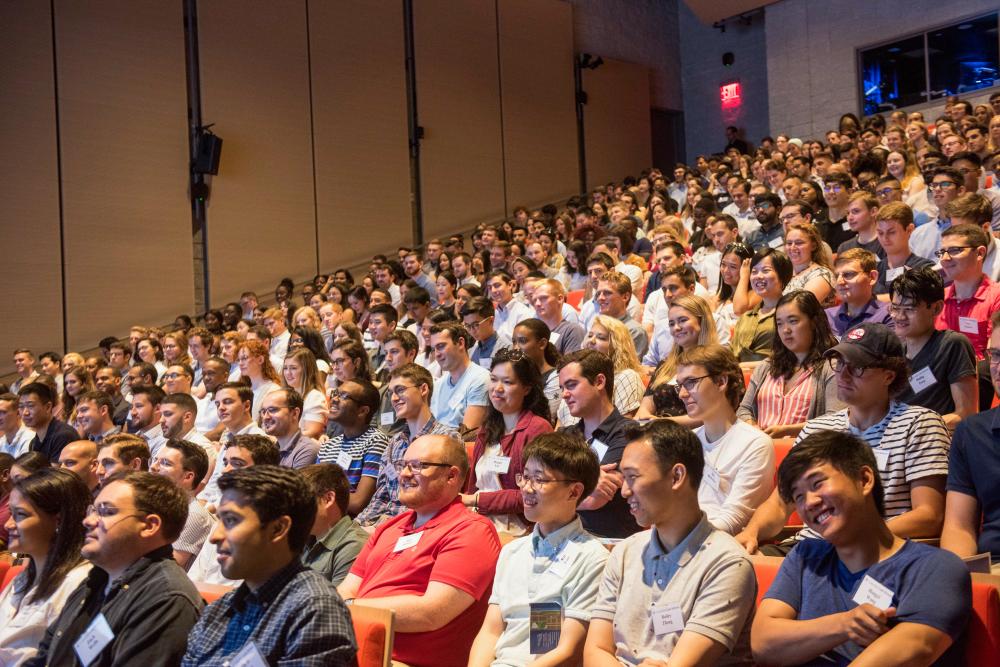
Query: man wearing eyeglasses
{"type": "Point", "coordinates": [478, 318]}
{"type": "Point", "coordinates": [742, 209]}
{"type": "Point", "coordinates": [137, 606]}
{"type": "Point", "coordinates": [432, 565]}
{"type": "Point", "coordinates": [770, 233]}
{"type": "Point", "coordinates": [910, 443]}
{"type": "Point", "coordinates": [837, 189]}
{"type": "Point", "coordinates": [972, 297]}
{"type": "Point", "coordinates": [946, 185]}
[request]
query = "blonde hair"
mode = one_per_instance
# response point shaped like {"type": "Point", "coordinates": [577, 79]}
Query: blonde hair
{"type": "Point", "coordinates": [311, 314]}
{"type": "Point", "coordinates": [910, 168]}
{"type": "Point", "coordinates": [819, 254]}
{"type": "Point", "coordinates": [623, 354]}
{"type": "Point", "coordinates": [310, 375]}
{"type": "Point", "coordinates": [698, 307]}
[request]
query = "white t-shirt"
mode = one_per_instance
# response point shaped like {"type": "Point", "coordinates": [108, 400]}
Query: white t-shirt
{"type": "Point", "coordinates": [315, 408]}
{"type": "Point", "coordinates": [738, 477]}
{"type": "Point", "coordinates": [262, 390]}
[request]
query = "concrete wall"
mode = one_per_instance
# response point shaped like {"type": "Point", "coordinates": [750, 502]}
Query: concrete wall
{"type": "Point", "coordinates": [812, 53]}
{"type": "Point", "coordinates": [702, 72]}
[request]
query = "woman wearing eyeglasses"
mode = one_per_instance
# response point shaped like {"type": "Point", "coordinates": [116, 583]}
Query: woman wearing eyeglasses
{"type": "Point", "coordinates": [770, 271]}
{"type": "Point", "coordinates": [47, 510]}
{"type": "Point", "coordinates": [518, 412]}
{"type": "Point", "coordinates": [795, 384]}
{"type": "Point", "coordinates": [691, 325]}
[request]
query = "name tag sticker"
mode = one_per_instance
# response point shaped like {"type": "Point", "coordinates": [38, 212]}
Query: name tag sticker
{"type": "Point", "coordinates": [249, 656]}
{"type": "Point", "coordinates": [554, 337]}
{"type": "Point", "coordinates": [922, 379]}
{"type": "Point", "coordinates": [93, 640]}
{"type": "Point", "coordinates": [498, 464]}
{"type": "Point", "coordinates": [387, 418]}
{"type": "Point", "coordinates": [846, 226]}
{"type": "Point", "coordinates": [776, 242]}
{"type": "Point", "coordinates": [407, 541]}
{"type": "Point", "coordinates": [544, 626]}
{"type": "Point", "coordinates": [344, 460]}
{"type": "Point", "coordinates": [712, 479]}
{"type": "Point", "coordinates": [881, 458]}
{"type": "Point", "coordinates": [968, 325]}
{"type": "Point", "coordinates": [559, 567]}
{"type": "Point", "coordinates": [892, 274]}
{"type": "Point", "coordinates": [667, 619]}
{"type": "Point", "coordinates": [873, 593]}
{"type": "Point", "coordinates": [485, 362]}
{"type": "Point", "coordinates": [599, 448]}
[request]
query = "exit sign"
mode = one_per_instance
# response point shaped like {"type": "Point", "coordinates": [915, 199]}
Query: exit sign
{"type": "Point", "coordinates": [730, 94]}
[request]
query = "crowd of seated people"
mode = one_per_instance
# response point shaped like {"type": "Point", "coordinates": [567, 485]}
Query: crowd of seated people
{"type": "Point", "coordinates": [553, 442]}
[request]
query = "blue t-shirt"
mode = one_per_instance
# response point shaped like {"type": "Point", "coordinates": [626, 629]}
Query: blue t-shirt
{"type": "Point", "coordinates": [930, 586]}
{"type": "Point", "coordinates": [450, 401]}
{"type": "Point", "coordinates": [974, 468]}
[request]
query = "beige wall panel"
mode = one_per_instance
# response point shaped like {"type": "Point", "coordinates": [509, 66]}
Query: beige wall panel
{"type": "Point", "coordinates": [359, 108]}
{"type": "Point", "coordinates": [29, 191]}
{"type": "Point", "coordinates": [123, 110]}
{"type": "Point", "coordinates": [255, 88]}
{"type": "Point", "coordinates": [458, 97]}
{"type": "Point", "coordinates": [539, 122]}
{"type": "Point", "coordinates": [617, 134]}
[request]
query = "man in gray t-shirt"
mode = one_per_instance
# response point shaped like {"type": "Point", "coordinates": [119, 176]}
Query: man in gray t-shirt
{"type": "Point", "coordinates": [683, 590]}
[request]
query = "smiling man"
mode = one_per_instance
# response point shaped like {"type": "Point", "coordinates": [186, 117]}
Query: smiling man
{"type": "Point", "coordinates": [283, 612]}
{"type": "Point", "coordinates": [855, 274]}
{"type": "Point", "coordinates": [460, 398]}
{"type": "Point", "coordinates": [136, 606]}
{"type": "Point", "coordinates": [862, 592]}
{"type": "Point", "coordinates": [186, 465]}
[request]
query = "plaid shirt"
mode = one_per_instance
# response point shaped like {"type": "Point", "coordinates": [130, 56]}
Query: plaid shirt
{"type": "Point", "coordinates": [385, 501]}
{"type": "Point", "coordinates": [296, 618]}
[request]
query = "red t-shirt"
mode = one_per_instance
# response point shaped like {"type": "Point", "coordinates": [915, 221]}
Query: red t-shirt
{"type": "Point", "coordinates": [458, 548]}
{"type": "Point", "coordinates": [976, 309]}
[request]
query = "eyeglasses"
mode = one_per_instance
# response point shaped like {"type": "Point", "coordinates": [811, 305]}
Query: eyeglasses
{"type": "Point", "coordinates": [689, 384]}
{"type": "Point", "coordinates": [906, 311]}
{"type": "Point", "coordinates": [526, 481]}
{"type": "Point", "coordinates": [838, 365]}
{"type": "Point", "coordinates": [993, 354]}
{"type": "Point", "coordinates": [343, 396]}
{"type": "Point", "coordinates": [836, 187]}
{"type": "Point", "coordinates": [791, 217]}
{"type": "Point", "coordinates": [172, 376]}
{"type": "Point", "coordinates": [942, 185]}
{"type": "Point", "coordinates": [273, 409]}
{"type": "Point", "coordinates": [953, 251]}
{"type": "Point", "coordinates": [400, 389]}
{"type": "Point", "coordinates": [417, 467]}
{"type": "Point", "coordinates": [104, 512]}
{"type": "Point", "coordinates": [764, 205]}
{"type": "Point", "coordinates": [338, 362]}
{"type": "Point", "coordinates": [885, 192]}
{"type": "Point", "coordinates": [472, 326]}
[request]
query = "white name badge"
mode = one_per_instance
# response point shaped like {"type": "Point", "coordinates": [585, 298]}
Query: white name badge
{"type": "Point", "coordinates": [249, 656]}
{"type": "Point", "coordinates": [498, 464]}
{"type": "Point", "coordinates": [599, 448]}
{"type": "Point", "coordinates": [344, 460]}
{"type": "Point", "coordinates": [776, 242]}
{"type": "Point", "coordinates": [93, 640]}
{"type": "Point", "coordinates": [484, 361]}
{"type": "Point", "coordinates": [712, 479]}
{"type": "Point", "coordinates": [922, 379]}
{"type": "Point", "coordinates": [387, 418]}
{"type": "Point", "coordinates": [846, 226]}
{"type": "Point", "coordinates": [407, 541]}
{"type": "Point", "coordinates": [968, 325]}
{"type": "Point", "coordinates": [881, 458]}
{"type": "Point", "coordinates": [892, 274]}
{"type": "Point", "coordinates": [560, 565]}
{"type": "Point", "coordinates": [666, 619]}
{"type": "Point", "coordinates": [873, 593]}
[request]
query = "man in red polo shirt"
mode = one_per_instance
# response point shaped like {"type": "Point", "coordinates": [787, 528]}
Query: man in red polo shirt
{"type": "Point", "coordinates": [432, 565]}
{"type": "Point", "coordinates": [972, 297]}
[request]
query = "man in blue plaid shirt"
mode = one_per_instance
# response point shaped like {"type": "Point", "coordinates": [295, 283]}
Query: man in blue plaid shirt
{"type": "Point", "coordinates": [284, 612]}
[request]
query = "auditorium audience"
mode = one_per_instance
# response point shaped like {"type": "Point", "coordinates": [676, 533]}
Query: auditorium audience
{"type": "Point", "coordinates": [280, 413]}
{"type": "Point", "coordinates": [753, 333]}
{"type": "Point", "coordinates": [37, 403]}
{"type": "Point", "coordinates": [335, 540]}
{"type": "Point", "coordinates": [15, 436]}
{"type": "Point", "coordinates": [186, 465]}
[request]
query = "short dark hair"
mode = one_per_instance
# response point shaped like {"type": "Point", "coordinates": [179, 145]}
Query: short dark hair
{"type": "Point", "coordinates": [157, 495]}
{"type": "Point", "coordinates": [128, 447]}
{"type": "Point", "coordinates": [39, 389]}
{"type": "Point", "coordinates": [242, 390]}
{"type": "Point", "coordinates": [683, 272]}
{"type": "Point", "coordinates": [478, 305]}
{"type": "Point", "coordinates": [150, 391]}
{"type": "Point", "coordinates": [568, 455]}
{"type": "Point", "coordinates": [782, 265]}
{"type": "Point", "coordinates": [840, 449]}
{"type": "Point", "coordinates": [405, 338]}
{"type": "Point", "coordinates": [293, 399]}
{"type": "Point", "coordinates": [369, 397]}
{"type": "Point", "coordinates": [273, 492]}
{"type": "Point", "coordinates": [417, 295]}
{"type": "Point", "coordinates": [672, 444]}
{"type": "Point", "coordinates": [99, 397]}
{"type": "Point", "coordinates": [263, 450]}
{"type": "Point", "coordinates": [185, 402]}
{"type": "Point", "coordinates": [593, 363]}
{"type": "Point", "coordinates": [386, 311]}
{"type": "Point", "coordinates": [147, 369]}
{"type": "Point", "coordinates": [324, 477]}
{"type": "Point", "coordinates": [455, 331]}
{"type": "Point", "coordinates": [923, 285]}
{"type": "Point", "coordinates": [193, 458]}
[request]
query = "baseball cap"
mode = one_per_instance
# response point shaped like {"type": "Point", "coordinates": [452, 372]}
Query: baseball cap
{"type": "Point", "coordinates": [867, 344]}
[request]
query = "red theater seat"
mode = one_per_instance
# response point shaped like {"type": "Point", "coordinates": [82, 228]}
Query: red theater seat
{"type": "Point", "coordinates": [373, 631]}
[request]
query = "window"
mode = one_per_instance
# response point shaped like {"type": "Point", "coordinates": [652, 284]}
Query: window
{"type": "Point", "coordinates": [953, 60]}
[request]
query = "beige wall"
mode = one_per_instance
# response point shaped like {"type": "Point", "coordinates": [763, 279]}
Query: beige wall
{"type": "Point", "coordinates": [616, 121]}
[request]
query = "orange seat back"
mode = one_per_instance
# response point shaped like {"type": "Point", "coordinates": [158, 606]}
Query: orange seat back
{"type": "Point", "coordinates": [781, 448]}
{"type": "Point", "coordinates": [982, 636]}
{"type": "Point", "coordinates": [373, 631]}
{"type": "Point", "coordinates": [766, 569]}
{"type": "Point", "coordinates": [211, 592]}
{"type": "Point", "coordinates": [9, 573]}
{"type": "Point", "coordinates": [574, 298]}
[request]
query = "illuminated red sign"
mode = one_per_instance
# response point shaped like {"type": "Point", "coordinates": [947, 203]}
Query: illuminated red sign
{"type": "Point", "coordinates": [730, 94]}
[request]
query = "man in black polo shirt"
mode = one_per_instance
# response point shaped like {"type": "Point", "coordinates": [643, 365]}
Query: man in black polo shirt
{"type": "Point", "coordinates": [36, 403]}
{"type": "Point", "coordinates": [587, 381]}
{"type": "Point", "coordinates": [137, 605]}
{"type": "Point", "coordinates": [942, 362]}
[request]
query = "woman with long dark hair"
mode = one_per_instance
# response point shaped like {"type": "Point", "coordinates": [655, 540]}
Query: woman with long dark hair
{"type": "Point", "coordinates": [531, 336]}
{"type": "Point", "coordinates": [794, 384]}
{"type": "Point", "coordinates": [518, 412]}
{"type": "Point", "coordinates": [770, 271]}
{"type": "Point", "coordinates": [47, 510]}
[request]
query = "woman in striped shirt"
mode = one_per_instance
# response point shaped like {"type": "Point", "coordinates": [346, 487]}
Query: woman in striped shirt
{"type": "Point", "coordinates": [795, 384]}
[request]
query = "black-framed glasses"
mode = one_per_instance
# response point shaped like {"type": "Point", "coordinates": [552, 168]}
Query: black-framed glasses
{"type": "Point", "coordinates": [343, 396]}
{"type": "Point", "coordinates": [524, 481]}
{"type": "Point", "coordinates": [689, 384]}
{"type": "Point", "coordinates": [942, 185]}
{"type": "Point", "coordinates": [417, 467]}
{"type": "Point", "coordinates": [953, 251]}
{"type": "Point", "coordinates": [838, 365]}
{"type": "Point", "coordinates": [993, 354]}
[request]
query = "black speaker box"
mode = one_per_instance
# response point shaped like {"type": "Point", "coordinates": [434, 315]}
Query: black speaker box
{"type": "Point", "coordinates": [206, 160]}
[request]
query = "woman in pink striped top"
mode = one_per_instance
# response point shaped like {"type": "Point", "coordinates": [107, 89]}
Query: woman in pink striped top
{"type": "Point", "coordinates": [795, 384]}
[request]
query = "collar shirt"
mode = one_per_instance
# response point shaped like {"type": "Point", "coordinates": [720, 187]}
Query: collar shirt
{"type": "Point", "coordinates": [841, 321]}
{"type": "Point", "coordinates": [154, 438]}
{"type": "Point", "coordinates": [482, 352]}
{"type": "Point", "coordinates": [297, 618]}
{"type": "Point", "coordinates": [334, 552]}
{"type": "Point", "coordinates": [57, 435]}
{"type": "Point", "coordinates": [509, 315]}
{"type": "Point", "coordinates": [17, 444]}
{"type": "Point", "coordinates": [971, 316]}
{"type": "Point", "coordinates": [926, 239]}
{"type": "Point", "coordinates": [99, 438]}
